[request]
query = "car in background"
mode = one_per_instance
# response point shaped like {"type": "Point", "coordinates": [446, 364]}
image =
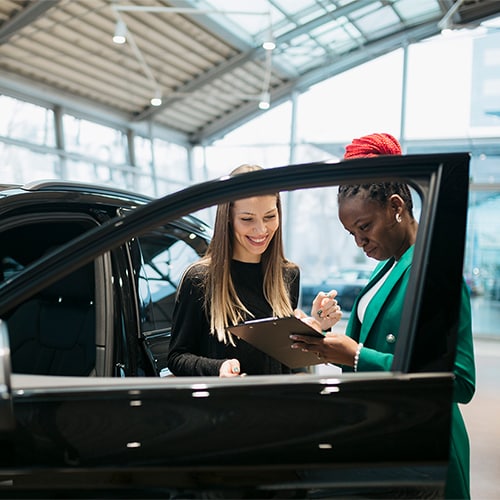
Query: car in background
{"type": "Point", "coordinates": [118, 430]}
{"type": "Point", "coordinates": [111, 317]}
{"type": "Point", "coordinates": [347, 281]}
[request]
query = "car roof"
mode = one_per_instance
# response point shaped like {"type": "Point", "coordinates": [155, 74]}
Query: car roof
{"type": "Point", "coordinates": [73, 186]}
{"type": "Point", "coordinates": [115, 196]}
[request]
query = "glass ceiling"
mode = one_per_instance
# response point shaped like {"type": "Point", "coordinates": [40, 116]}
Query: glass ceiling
{"type": "Point", "coordinates": [308, 31]}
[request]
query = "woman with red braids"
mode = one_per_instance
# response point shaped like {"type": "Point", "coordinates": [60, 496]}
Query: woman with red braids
{"type": "Point", "coordinates": [380, 218]}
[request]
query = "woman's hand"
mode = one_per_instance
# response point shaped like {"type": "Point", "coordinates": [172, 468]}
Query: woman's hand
{"type": "Point", "coordinates": [312, 322]}
{"type": "Point", "coordinates": [336, 348]}
{"type": "Point", "coordinates": [230, 368]}
{"type": "Point", "coordinates": [325, 309]}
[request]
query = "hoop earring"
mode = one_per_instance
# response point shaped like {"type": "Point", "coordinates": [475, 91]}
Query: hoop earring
{"type": "Point", "coordinates": [398, 218]}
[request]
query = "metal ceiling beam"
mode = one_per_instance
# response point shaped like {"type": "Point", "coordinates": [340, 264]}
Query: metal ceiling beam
{"type": "Point", "coordinates": [33, 11]}
{"type": "Point", "coordinates": [478, 11]}
{"type": "Point", "coordinates": [327, 68]}
{"type": "Point", "coordinates": [46, 96]}
{"type": "Point", "coordinates": [306, 28]}
{"type": "Point", "coordinates": [252, 54]}
{"type": "Point", "coordinates": [212, 26]}
{"type": "Point", "coordinates": [248, 54]}
{"type": "Point", "coordinates": [324, 70]}
{"type": "Point", "coordinates": [201, 81]}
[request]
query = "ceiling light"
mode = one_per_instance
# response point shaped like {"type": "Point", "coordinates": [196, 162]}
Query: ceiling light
{"type": "Point", "coordinates": [120, 35]}
{"type": "Point", "coordinates": [269, 45]}
{"type": "Point", "coordinates": [265, 101]}
{"type": "Point", "coordinates": [156, 100]}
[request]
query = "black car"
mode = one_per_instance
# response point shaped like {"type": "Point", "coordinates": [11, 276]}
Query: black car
{"type": "Point", "coordinates": [111, 317]}
{"type": "Point", "coordinates": [95, 435]}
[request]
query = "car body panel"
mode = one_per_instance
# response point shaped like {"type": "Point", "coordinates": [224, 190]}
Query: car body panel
{"type": "Point", "coordinates": [196, 439]}
{"type": "Point", "coordinates": [306, 435]}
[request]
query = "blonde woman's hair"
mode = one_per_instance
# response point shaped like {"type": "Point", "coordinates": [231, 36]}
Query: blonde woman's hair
{"type": "Point", "coordinates": [221, 300]}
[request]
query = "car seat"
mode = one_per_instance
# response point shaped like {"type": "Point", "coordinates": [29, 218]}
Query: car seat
{"type": "Point", "coordinates": [54, 332]}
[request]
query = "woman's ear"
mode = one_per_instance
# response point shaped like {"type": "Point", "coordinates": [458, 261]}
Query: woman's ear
{"type": "Point", "coordinates": [397, 204]}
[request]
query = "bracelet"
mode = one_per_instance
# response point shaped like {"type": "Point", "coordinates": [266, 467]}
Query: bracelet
{"type": "Point", "coordinates": [356, 356]}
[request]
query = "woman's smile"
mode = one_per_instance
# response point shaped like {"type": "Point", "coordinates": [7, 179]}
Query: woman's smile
{"type": "Point", "coordinates": [257, 240]}
{"type": "Point", "coordinates": [255, 221]}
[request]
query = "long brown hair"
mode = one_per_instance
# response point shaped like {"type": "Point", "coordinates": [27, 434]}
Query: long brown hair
{"type": "Point", "coordinates": [221, 300]}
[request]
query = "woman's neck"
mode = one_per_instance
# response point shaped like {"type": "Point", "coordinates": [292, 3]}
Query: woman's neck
{"type": "Point", "coordinates": [409, 239]}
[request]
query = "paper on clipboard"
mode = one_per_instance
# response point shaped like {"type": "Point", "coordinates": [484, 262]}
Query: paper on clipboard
{"type": "Point", "coordinates": [272, 335]}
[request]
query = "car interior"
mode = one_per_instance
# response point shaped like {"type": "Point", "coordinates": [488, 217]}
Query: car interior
{"type": "Point", "coordinates": [53, 333]}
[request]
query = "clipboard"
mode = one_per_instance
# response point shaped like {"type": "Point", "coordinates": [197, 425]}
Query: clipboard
{"type": "Point", "coordinates": [271, 335]}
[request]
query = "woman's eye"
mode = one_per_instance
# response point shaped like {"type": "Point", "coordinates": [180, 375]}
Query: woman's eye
{"type": "Point", "coordinates": [270, 217]}
{"type": "Point", "coordinates": [364, 227]}
{"type": "Point", "coordinates": [246, 219]}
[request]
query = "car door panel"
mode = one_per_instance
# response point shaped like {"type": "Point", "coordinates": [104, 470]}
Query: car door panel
{"type": "Point", "coordinates": [310, 425]}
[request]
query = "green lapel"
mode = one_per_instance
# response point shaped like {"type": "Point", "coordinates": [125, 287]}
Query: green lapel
{"type": "Point", "coordinates": [377, 303]}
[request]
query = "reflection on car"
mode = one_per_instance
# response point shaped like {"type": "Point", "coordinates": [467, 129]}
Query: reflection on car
{"type": "Point", "coordinates": [87, 283]}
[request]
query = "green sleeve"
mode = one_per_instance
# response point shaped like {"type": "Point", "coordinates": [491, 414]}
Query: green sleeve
{"type": "Point", "coordinates": [465, 371]}
{"type": "Point", "coordinates": [373, 361]}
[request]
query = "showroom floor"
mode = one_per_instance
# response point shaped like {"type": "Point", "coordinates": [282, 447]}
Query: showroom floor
{"type": "Point", "coordinates": [481, 417]}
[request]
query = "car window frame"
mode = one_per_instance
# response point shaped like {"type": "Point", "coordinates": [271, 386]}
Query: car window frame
{"type": "Point", "coordinates": [429, 175]}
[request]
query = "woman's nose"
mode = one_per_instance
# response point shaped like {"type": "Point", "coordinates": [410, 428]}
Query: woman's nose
{"type": "Point", "coordinates": [360, 240]}
{"type": "Point", "coordinates": [259, 227]}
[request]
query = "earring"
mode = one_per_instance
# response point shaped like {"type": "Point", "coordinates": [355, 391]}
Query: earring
{"type": "Point", "coordinates": [398, 218]}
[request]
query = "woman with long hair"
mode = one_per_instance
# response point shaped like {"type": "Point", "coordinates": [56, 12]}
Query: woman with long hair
{"type": "Point", "coordinates": [244, 275]}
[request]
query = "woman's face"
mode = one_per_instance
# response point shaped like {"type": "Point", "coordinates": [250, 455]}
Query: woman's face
{"type": "Point", "coordinates": [255, 220]}
{"type": "Point", "coordinates": [373, 226]}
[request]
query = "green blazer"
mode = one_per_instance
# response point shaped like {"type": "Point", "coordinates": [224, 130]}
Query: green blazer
{"type": "Point", "coordinates": [379, 334]}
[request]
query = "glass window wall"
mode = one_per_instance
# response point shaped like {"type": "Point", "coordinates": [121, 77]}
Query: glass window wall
{"type": "Point", "coordinates": [26, 122]}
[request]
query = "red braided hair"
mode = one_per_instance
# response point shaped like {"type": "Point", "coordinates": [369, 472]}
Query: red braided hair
{"type": "Point", "coordinates": [373, 145]}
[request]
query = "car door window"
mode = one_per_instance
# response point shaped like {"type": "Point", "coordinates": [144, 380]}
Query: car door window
{"type": "Point", "coordinates": [166, 254]}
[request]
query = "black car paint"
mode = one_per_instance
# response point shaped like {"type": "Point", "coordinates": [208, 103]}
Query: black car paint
{"type": "Point", "coordinates": [302, 436]}
{"type": "Point", "coordinates": [191, 441]}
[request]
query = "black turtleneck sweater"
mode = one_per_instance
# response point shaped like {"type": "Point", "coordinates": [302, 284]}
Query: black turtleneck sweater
{"type": "Point", "coordinates": [194, 351]}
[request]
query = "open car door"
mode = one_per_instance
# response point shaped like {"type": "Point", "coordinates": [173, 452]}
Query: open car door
{"type": "Point", "coordinates": [375, 435]}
